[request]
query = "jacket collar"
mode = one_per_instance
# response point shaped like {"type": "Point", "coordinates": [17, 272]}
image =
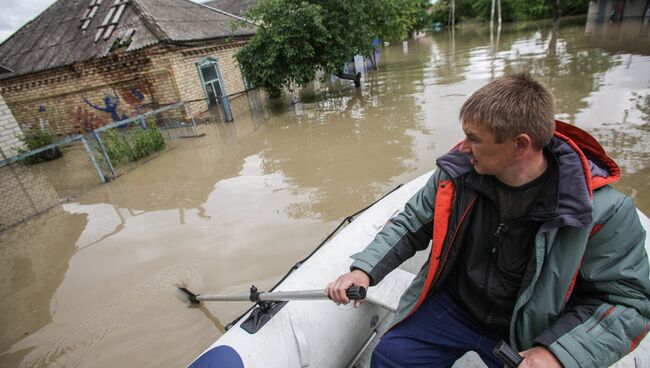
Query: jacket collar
{"type": "Point", "coordinates": [582, 165]}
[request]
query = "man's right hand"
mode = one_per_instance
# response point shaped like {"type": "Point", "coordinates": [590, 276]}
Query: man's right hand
{"type": "Point", "coordinates": [337, 290]}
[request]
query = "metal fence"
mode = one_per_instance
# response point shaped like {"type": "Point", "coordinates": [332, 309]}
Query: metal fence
{"type": "Point", "coordinates": [28, 188]}
{"type": "Point", "coordinates": [33, 182]}
{"type": "Point", "coordinates": [122, 144]}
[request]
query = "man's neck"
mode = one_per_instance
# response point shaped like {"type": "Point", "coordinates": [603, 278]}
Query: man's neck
{"type": "Point", "coordinates": [525, 171]}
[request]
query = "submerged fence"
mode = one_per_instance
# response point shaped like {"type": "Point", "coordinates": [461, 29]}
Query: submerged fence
{"type": "Point", "coordinates": [36, 181]}
{"type": "Point", "coordinates": [123, 143]}
{"type": "Point", "coordinates": [33, 182]}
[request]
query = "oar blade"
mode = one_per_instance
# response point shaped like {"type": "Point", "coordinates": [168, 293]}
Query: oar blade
{"type": "Point", "coordinates": [191, 297]}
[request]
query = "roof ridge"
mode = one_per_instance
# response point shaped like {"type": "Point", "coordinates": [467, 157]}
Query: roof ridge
{"type": "Point", "coordinates": [149, 22]}
{"type": "Point", "coordinates": [223, 12]}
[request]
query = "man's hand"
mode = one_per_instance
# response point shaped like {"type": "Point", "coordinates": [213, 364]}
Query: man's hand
{"type": "Point", "coordinates": [336, 290]}
{"type": "Point", "coordinates": [539, 357]}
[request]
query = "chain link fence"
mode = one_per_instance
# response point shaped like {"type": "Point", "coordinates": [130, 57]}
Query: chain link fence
{"type": "Point", "coordinates": [38, 180]}
{"type": "Point", "coordinates": [35, 181]}
{"type": "Point", "coordinates": [123, 144]}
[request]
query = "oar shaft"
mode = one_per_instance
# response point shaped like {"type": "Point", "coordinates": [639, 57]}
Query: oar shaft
{"type": "Point", "coordinates": [266, 296]}
{"type": "Point", "coordinates": [240, 297]}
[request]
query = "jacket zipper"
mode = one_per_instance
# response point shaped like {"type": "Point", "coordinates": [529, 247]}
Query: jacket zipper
{"type": "Point", "coordinates": [486, 279]}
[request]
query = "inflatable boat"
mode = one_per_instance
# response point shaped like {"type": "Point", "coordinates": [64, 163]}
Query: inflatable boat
{"type": "Point", "coordinates": [318, 333]}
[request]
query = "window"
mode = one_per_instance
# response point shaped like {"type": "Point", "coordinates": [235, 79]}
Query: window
{"type": "Point", "coordinates": [112, 18]}
{"type": "Point", "coordinates": [211, 79]}
{"type": "Point", "coordinates": [90, 13]}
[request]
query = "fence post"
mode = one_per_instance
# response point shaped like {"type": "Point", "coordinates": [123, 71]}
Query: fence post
{"type": "Point", "coordinates": [189, 112]}
{"type": "Point", "coordinates": [227, 114]}
{"type": "Point", "coordinates": [92, 159]}
{"type": "Point", "coordinates": [104, 153]}
{"type": "Point", "coordinates": [143, 123]}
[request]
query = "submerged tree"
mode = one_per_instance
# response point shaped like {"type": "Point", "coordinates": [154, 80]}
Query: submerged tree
{"type": "Point", "coordinates": [295, 39]}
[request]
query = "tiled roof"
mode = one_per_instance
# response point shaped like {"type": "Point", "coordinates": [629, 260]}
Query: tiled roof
{"type": "Point", "coordinates": [56, 38]}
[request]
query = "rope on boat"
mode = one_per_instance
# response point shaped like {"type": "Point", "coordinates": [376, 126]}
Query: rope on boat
{"type": "Point", "coordinates": [348, 220]}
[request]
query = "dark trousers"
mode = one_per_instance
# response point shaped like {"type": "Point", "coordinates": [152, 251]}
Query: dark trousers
{"type": "Point", "coordinates": [437, 335]}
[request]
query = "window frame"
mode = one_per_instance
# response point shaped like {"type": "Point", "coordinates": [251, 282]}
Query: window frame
{"type": "Point", "coordinates": [211, 61]}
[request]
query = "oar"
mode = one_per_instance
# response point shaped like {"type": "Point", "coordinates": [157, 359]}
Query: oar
{"type": "Point", "coordinates": [353, 293]}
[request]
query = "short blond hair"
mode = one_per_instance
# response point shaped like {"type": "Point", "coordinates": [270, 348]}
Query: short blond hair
{"type": "Point", "coordinates": [513, 105]}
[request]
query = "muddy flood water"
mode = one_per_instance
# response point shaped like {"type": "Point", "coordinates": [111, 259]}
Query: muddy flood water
{"type": "Point", "coordinates": [91, 283]}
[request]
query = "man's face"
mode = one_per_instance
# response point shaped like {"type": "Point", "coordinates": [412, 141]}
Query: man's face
{"type": "Point", "coordinates": [486, 155]}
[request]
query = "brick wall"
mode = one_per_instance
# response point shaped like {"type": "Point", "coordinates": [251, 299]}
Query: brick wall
{"type": "Point", "coordinates": [85, 96]}
{"type": "Point", "coordinates": [9, 130]}
{"type": "Point", "coordinates": [184, 65]}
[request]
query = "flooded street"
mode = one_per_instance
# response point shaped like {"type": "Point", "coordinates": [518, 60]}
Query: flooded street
{"type": "Point", "coordinates": [91, 283]}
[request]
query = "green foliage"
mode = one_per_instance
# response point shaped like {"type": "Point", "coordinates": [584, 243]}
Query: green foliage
{"type": "Point", "coordinates": [295, 39]}
{"type": "Point", "coordinates": [463, 9]}
{"type": "Point", "coordinates": [134, 144]}
{"type": "Point", "coordinates": [35, 139]}
{"type": "Point", "coordinates": [533, 9]}
{"type": "Point", "coordinates": [440, 12]}
{"type": "Point", "coordinates": [574, 7]}
{"type": "Point", "coordinates": [511, 10]}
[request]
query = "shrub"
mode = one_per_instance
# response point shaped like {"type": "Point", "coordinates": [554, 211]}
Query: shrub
{"type": "Point", "coordinates": [133, 144]}
{"type": "Point", "coordinates": [35, 139]}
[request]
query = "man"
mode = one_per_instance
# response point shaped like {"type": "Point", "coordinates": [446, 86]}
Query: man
{"type": "Point", "coordinates": [529, 244]}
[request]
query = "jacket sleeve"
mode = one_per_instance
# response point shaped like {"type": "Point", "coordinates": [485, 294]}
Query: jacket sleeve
{"type": "Point", "coordinates": [404, 235]}
{"type": "Point", "coordinates": [609, 311]}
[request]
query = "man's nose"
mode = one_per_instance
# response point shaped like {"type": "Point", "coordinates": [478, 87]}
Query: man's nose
{"type": "Point", "coordinates": [464, 147]}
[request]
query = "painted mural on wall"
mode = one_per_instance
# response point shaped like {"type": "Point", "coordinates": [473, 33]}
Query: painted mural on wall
{"type": "Point", "coordinates": [113, 107]}
{"type": "Point", "coordinates": [134, 95]}
{"type": "Point", "coordinates": [111, 103]}
{"type": "Point", "coordinates": [86, 121]}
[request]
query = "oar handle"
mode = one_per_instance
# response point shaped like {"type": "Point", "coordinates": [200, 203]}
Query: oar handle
{"type": "Point", "coordinates": [356, 292]}
{"type": "Point", "coordinates": [353, 293]}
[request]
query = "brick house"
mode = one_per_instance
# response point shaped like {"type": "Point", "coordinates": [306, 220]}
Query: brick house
{"type": "Point", "coordinates": [82, 64]}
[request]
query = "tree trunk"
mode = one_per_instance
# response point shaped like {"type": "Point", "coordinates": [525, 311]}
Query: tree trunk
{"type": "Point", "coordinates": [453, 13]}
{"type": "Point", "coordinates": [556, 10]}
{"type": "Point", "coordinates": [499, 11]}
{"type": "Point", "coordinates": [492, 15]}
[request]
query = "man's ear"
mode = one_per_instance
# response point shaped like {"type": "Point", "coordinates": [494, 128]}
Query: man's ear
{"type": "Point", "coordinates": [523, 143]}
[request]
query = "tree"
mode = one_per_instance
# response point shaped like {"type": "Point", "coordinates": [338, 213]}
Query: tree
{"type": "Point", "coordinates": [295, 39]}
